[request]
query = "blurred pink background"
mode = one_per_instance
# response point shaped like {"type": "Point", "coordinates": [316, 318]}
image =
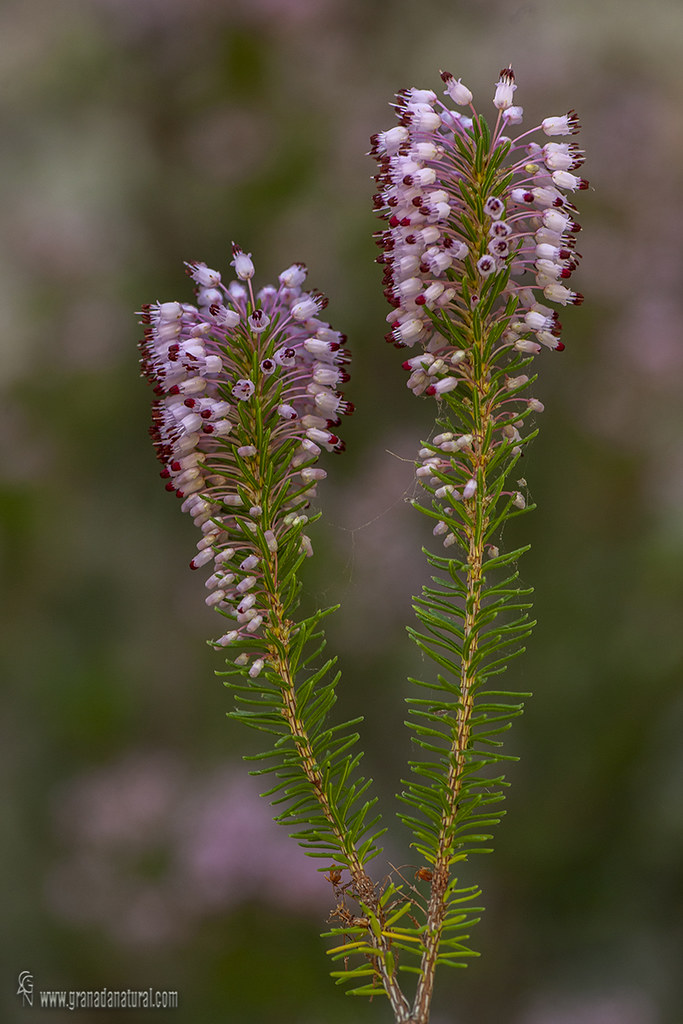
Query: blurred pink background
{"type": "Point", "coordinates": [140, 133]}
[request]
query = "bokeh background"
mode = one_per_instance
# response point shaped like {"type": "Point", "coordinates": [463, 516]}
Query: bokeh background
{"type": "Point", "coordinates": [136, 134]}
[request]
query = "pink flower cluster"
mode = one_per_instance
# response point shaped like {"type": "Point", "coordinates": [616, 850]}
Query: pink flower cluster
{"type": "Point", "coordinates": [247, 393]}
{"type": "Point", "coordinates": [464, 204]}
{"type": "Point", "coordinates": [214, 844]}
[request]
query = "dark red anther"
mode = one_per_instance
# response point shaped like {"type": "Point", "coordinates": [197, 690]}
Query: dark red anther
{"type": "Point", "coordinates": [175, 390]}
{"type": "Point", "coordinates": [170, 486]}
{"type": "Point", "coordinates": [180, 494]}
{"type": "Point", "coordinates": [420, 300]}
{"type": "Point", "coordinates": [175, 466]}
{"type": "Point", "coordinates": [158, 390]}
{"type": "Point", "coordinates": [190, 402]}
{"type": "Point", "coordinates": [394, 221]}
{"type": "Point", "coordinates": [165, 473]}
{"type": "Point", "coordinates": [207, 428]}
{"type": "Point", "coordinates": [205, 414]}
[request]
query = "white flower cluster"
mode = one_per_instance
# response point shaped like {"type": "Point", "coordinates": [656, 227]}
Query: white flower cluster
{"type": "Point", "coordinates": [210, 365]}
{"type": "Point", "coordinates": [445, 237]}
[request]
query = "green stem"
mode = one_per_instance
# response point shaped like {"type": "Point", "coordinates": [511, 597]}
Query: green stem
{"type": "Point", "coordinates": [461, 735]}
{"type": "Point", "coordinates": [474, 530]}
{"type": "Point", "coordinates": [363, 889]}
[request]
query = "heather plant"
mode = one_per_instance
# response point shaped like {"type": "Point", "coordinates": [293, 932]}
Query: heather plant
{"type": "Point", "coordinates": [479, 236]}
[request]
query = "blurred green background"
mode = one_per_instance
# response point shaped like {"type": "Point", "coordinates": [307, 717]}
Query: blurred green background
{"type": "Point", "coordinates": [140, 133]}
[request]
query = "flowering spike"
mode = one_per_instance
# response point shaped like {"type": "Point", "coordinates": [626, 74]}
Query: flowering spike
{"type": "Point", "coordinates": [239, 382]}
{"type": "Point", "coordinates": [479, 242]}
{"type": "Point", "coordinates": [471, 213]}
